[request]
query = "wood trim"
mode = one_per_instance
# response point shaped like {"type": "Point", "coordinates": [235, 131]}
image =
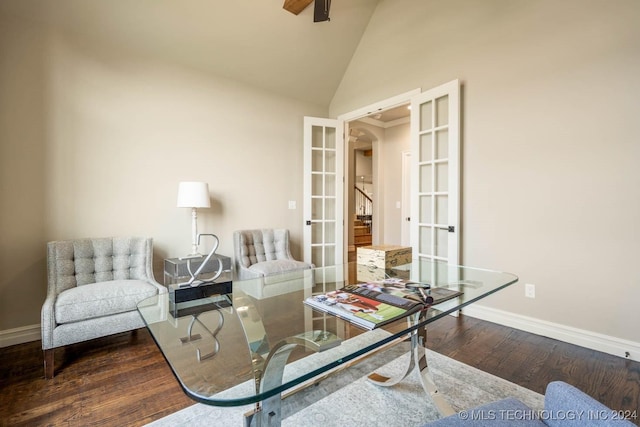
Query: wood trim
{"type": "Point", "coordinates": [20, 335]}
{"type": "Point", "coordinates": [591, 340]}
{"type": "Point", "coordinates": [296, 6]}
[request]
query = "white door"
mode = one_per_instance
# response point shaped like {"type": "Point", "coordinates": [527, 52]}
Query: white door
{"type": "Point", "coordinates": [435, 173]}
{"type": "Point", "coordinates": [405, 239]}
{"type": "Point", "coordinates": [323, 191]}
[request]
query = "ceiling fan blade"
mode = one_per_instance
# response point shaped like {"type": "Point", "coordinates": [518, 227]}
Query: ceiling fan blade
{"type": "Point", "coordinates": [296, 6]}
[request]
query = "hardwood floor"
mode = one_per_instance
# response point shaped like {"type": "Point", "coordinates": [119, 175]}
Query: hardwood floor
{"type": "Point", "coordinates": [124, 379]}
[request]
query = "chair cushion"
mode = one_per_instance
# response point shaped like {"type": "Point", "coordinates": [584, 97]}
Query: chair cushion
{"type": "Point", "coordinates": [101, 299]}
{"type": "Point", "coordinates": [562, 398]}
{"type": "Point", "coordinates": [277, 266]}
{"type": "Point", "coordinates": [254, 246]}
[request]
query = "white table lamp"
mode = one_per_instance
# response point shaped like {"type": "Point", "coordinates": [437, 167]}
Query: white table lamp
{"type": "Point", "coordinates": [193, 195]}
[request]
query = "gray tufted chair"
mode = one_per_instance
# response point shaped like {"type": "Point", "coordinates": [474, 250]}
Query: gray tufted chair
{"type": "Point", "coordinates": [94, 286]}
{"type": "Point", "coordinates": [265, 255]}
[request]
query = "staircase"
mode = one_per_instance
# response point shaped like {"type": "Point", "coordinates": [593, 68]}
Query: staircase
{"type": "Point", "coordinates": [362, 220]}
{"type": "Point", "coordinates": [361, 233]}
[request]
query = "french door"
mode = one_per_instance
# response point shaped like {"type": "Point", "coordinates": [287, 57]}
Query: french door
{"type": "Point", "coordinates": [435, 178]}
{"type": "Point", "coordinates": [435, 174]}
{"type": "Point", "coordinates": [323, 192]}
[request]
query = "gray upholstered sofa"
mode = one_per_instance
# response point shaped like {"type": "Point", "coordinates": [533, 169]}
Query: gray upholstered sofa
{"type": "Point", "coordinates": [265, 255]}
{"type": "Point", "coordinates": [94, 286]}
{"type": "Point", "coordinates": [564, 406]}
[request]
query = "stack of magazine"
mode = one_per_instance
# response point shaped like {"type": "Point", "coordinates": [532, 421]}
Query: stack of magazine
{"type": "Point", "coordinates": [374, 304]}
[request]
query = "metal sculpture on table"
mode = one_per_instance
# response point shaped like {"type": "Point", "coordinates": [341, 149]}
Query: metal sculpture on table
{"type": "Point", "coordinates": [211, 297]}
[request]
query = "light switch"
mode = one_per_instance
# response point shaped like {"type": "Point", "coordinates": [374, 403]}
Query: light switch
{"type": "Point", "coordinates": [292, 204]}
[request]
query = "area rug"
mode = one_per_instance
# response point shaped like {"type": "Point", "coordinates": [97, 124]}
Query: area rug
{"type": "Point", "coordinates": [349, 399]}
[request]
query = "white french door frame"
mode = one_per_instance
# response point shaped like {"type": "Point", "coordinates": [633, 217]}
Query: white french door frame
{"type": "Point", "coordinates": [435, 192]}
{"type": "Point", "coordinates": [415, 98]}
{"type": "Point", "coordinates": [405, 228]}
{"type": "Point", "coordinates": [385, 104]}
{"type": "Point", "coordinates": [323, 186]}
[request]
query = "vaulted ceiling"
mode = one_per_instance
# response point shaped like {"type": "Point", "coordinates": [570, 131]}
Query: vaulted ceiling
{"type": "Point", "coordinates": [256, 42]}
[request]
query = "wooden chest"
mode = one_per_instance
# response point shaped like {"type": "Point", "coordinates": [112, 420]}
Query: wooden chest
{"type": "Point", "coordinates": [383, 256]}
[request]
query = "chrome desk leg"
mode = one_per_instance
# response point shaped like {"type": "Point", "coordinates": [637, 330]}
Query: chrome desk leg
{"type": "Point", "coordinates": [269, 411]}
{"type": "Point", "coordinates": [418, 357]}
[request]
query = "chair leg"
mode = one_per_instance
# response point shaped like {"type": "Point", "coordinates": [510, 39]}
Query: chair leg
{"type": "Point", "coordinates": [48, 363]}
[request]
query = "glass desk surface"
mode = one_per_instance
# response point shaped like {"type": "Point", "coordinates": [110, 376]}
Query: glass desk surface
{"type": "Point", "coordinates": [220, 351]}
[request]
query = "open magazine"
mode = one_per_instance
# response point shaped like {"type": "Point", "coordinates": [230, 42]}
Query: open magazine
{"type": "Point", "coordinates": [371, 305]}
{"type": "Point", "coordinates": [406, 288]}
{"type": "Point", "coordinates": [366, 307]}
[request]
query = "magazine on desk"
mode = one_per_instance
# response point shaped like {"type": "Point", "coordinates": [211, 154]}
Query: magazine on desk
{"type": "Point", "coordinates": [405, 288]}
{"type": "Point", "coordinates": [371, 305]}
{"type": "Point", "coordinates": [362, 309]}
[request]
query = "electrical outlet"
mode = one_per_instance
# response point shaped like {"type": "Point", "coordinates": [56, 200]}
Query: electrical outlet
{"type": "Point", "coordinates": [530, 290]}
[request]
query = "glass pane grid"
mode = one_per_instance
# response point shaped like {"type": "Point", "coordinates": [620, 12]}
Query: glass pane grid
{"type": "Point", "coordinates": [426, 115]}
{"type": "Point", "coordinates": [442, 111]}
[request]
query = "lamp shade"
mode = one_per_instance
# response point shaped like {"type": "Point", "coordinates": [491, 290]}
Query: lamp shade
{"type": "Point", "coordinates": [193, 195]}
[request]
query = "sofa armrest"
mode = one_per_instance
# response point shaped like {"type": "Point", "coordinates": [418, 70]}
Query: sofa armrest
{"type": "Point", "coordinates": [47, 321]}
{"type": "Point", "coordinates": [243, 273]}
{"type": "Point", "coordinates": [565, 405]}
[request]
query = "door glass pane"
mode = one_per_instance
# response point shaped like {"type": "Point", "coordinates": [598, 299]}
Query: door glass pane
{"type": "Point", "coordinates": [442, 144]}
{"type": "Point", "coordinates": [330, 232]}
{"type": "Point", "coordinates": [442, 211]}
{"type": "Point", "coordinates": [316, 161]}
{"type": "Point", "coordinates": [316, 184]}
{"type": "Point", "coordinates": [426, 111]}
{"type": "Point", "coordinates": [426, 147]}
{"type": "Point", "coordinates": [330, 185]}
{"type": "Point", "coordinates": [442, 177]}
{"type": "Point", "coordinates": [442, 239]}
{"type": "Point", "coordinates": [442, 111]}
{"type": "Point", "coordinates": [329, 255]}
{"type": "Point", "coordinates": [330, 138]}
{"type": "Point", "coordinates": [330, 161]}
{"type": "Point", "coordinates": [425, 210]}
{"type": "Point", "coordinates": [316, 136]}
{"type": "Point", "coordinates": [442, 273]}
{"type": "Point", "coordinates": [426, 180]}
{"type": "Point", "coordinates": [316, 233]}
{"type": "Point", "coordinates": [330, 208]}
{"type": "Point", "coordinates": [316, 208]}
{"type": "Point", "coordinates": [425, 240]}
{"type": "Point", "coordinates": [316, 256]}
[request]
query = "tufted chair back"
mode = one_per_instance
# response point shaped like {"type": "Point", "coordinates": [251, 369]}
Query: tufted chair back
{"type": "Point", "coordinates": [253, 246]}
{"type": "Point", "coordinates": [79, 262]}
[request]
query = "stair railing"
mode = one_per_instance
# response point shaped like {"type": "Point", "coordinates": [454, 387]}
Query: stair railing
{"type": "Point", "coordinates": [364, 207]}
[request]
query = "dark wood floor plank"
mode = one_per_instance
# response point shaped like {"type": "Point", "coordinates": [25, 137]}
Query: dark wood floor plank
{"type": "Point", "coordinates": [124, 379]}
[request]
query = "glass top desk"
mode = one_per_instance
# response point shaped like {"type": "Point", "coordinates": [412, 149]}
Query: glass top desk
{"type": "Point", "coordinates": [244, 348]}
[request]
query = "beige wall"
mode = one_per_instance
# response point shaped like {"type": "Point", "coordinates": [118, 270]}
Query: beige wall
{"type": "Point", "coordinates": [396, 140]}
{"type": "Point", "coordinates": [551, 141]}
{"type": "Point", "coordinates": [94, 140]}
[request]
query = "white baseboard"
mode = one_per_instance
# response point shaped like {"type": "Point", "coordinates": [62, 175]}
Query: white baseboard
{"type": "Point", "coordinates": [20, 335]}
{"type": "Point", "coordinates": [581, 337]}
{"type": "Point", "coordinates": [604, 343]}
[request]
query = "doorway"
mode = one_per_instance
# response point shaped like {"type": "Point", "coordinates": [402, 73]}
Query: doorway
{"type": "Point", "coordinates": [375, 173]}
{"type": "Point", "coordinates": [434, 135]}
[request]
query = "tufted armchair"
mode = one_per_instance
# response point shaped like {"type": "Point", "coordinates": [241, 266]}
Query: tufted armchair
{"type": "Point", "coordinates": [94, 286]}
{"type": "Point", "coordinates": [265, 255]}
